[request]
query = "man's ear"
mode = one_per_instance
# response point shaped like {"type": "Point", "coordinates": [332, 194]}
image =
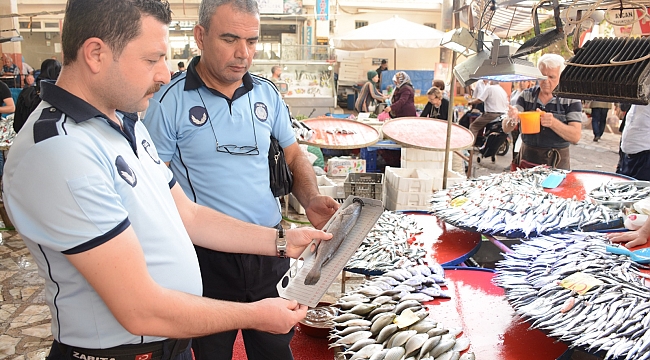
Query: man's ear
{"type": "Point", "coordinates": [95, 53]}
{"type": "Point", "coordinates": [199, 34]}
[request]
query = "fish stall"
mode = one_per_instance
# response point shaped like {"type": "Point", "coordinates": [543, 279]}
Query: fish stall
{"type": "Point", "coordinates": [516, 204]}
{"type": "Point", "coordinates": [573, 287]}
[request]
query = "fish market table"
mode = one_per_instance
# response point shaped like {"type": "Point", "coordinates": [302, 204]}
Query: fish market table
{"type": "Point", "coordinates": [333, 133]}
{"type": "Point", "coordinates": [426, 134]}
{"type": "Point", "coordinates": [490, 323]}
{"type": "Point", "coordinates": [446, 244]}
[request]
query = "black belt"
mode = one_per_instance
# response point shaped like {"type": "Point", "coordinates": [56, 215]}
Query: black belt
{"type": "Point", "coordinates": [642, 153]}
{"type": "Point", "coordinates": [159, 350]}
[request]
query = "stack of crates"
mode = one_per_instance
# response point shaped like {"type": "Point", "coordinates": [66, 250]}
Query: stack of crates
{"type": "Point", "coordinates": [368, 185]}
{"type": "Point", "coordinates": [408, 189]}
{"type": "Point", "coordinates": [431, 163]}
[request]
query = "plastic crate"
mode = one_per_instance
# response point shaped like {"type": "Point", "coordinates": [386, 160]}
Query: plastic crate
{"type": "Point", "coordinates": [368, 185]}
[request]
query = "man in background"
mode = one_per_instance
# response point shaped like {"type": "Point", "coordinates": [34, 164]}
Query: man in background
{"type": "Point", "coordinates": [495, 99]}
{"type": "Point", "coordinates": [9, 69]}
{"type": "Point", "coordinates": [276, 72]}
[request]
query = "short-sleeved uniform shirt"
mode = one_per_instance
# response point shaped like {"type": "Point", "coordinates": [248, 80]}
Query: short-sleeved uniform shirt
{"type": "Point", "coordinates": [565, 110]}
{"type": "Point", "coordinates": [187, 122]}
{"type": "Point", "coordinates": [73, 181]}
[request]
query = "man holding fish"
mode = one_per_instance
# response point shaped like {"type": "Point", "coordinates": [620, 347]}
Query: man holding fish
{"type": "Point", "coordinates": [213, 125]}
{"type": "Point", "coordinates": [560, 119]}
{"type": "Point", "coordinates": [104, 219]}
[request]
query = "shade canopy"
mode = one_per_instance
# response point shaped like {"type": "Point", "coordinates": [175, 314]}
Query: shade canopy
{"type": "Point", "coordinates": [392, 33]}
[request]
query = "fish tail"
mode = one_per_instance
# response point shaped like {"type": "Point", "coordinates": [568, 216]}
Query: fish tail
{"type": "Point", "coordinates": [313, 276]}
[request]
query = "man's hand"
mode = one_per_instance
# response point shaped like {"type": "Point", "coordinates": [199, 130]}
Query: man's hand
{"type": "Point", "coordinates": [298, 239]}
{"type": "Point", "coordinates": [320, 209]}
{"type": "Point", "coordinates": [277, 315]}
{"type": "Point", "coordinates": [546, 119]}
{"type": "Point", "coordinates": [631, 238]}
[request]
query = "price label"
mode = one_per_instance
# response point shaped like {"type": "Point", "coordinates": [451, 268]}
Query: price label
{"type": "Point", "coordinates": [458, 202]}
{"type": "Point", "coordinates": [580, 282]}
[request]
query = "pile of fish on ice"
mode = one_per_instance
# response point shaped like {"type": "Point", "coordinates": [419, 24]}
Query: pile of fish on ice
{"type": "Point", "coordinates": [384, 319]}
{"type": "Point", "coordinates": [513, 204]}
{"type": "Point", "coordinates": [386, 247]}
{"type": "Point", "coordinates": [613, 317]}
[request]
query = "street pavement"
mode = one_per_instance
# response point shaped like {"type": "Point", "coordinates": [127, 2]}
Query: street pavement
{"type": "Point", "coordinates": [585, 155]}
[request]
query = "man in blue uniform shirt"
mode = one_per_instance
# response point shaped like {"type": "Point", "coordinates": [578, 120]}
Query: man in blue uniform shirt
{"type": "Point", "coordinates": [103, 217]}
{"type": "Point", "coordinates": [217, 120]}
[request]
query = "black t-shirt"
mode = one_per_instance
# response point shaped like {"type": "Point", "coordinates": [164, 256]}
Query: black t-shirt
{"type": "Point", "coordinates": [4, 91]}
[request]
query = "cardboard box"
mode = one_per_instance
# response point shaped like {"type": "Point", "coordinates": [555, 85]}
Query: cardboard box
{"type": "Point", "coordinates": [409, 180]}
{"type": "Point", "coordinates": [343, 166]}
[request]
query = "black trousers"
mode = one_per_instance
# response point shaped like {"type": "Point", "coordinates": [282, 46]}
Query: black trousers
{"type": "Point", "coordinates": [241, 278]}
{"type": "Point", "coordinates": [635, 165]}
{"type": "Point", "coordinates": [167, 352]}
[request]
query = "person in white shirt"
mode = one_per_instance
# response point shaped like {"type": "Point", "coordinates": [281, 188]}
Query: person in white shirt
{"type": "Point", "coordinates": [495, 99]}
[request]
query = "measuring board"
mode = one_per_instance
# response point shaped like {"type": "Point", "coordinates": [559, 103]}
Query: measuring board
{"type": "Point", "coordinates": [292, 285]}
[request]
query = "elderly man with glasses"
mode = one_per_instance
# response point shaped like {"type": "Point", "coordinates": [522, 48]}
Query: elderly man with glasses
{"type": "Point", "coordinates": [561, 119]}
{"type": "Point", "coordinates": [213, 125]}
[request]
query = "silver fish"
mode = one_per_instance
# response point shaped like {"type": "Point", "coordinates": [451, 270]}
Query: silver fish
{"type": "Point", "coordinates": [340, 228]}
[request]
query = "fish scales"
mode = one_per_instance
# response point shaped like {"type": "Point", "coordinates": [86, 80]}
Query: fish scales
{"type": "Point", "coordinates": [340, 227]}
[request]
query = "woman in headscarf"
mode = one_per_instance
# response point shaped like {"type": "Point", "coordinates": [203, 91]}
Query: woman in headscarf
{"type": "Point", "coordinates": [369, 93]}
{"type": "Point", "coordinates": [29, 97]}
{"type": "Point", "coordinates": [403, 103]}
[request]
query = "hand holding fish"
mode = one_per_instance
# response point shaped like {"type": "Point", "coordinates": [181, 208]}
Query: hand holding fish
{"type": "Point", "coordinates": [320, 209]}
{"type": "Point", "coordinates": [298, 239]}
{"type": "Point", "coordinates": [276, 315]}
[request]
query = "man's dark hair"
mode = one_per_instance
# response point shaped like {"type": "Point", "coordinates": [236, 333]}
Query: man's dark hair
{"type": "Point", "coordinates": [383, 62]}
{"type": "Point", "coordinates": [181, 64]}
{"type": "Point", "coordinates": [115, 22]}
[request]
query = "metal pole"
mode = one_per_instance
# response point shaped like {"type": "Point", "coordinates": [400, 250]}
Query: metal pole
{"type": "Point", "coordinates": [452, 94]}
{"type": "Point", "coordinates": [450, 116]}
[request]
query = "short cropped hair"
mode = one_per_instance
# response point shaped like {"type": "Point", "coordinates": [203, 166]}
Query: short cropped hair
{"type": "Point", "coordinates": [115, 22]}
{"type": "Point", "coordinates": [209, 7]}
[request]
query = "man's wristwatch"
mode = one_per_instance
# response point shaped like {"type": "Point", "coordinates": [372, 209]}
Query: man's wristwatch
{"type": "Point", "coordinates": [281, 243]}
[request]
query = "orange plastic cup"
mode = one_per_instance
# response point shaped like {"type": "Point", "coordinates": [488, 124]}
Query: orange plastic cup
{"type": "Point", "coordinates": [530, 122]}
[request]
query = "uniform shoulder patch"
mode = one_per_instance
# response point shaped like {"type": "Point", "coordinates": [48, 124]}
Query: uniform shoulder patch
{"type": "Point", "coordinates": [45, 126]}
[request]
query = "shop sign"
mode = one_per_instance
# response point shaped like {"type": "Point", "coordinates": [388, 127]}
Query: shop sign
{"type": "Point", "coordinates": [639, 27]}
{"type": "Point", "coordinates": [322, 10]}
{"type": "Point", "coordinates": [271, 6]}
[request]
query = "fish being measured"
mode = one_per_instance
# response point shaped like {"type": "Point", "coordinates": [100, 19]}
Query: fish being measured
{"type": "Point", "coordinates": [339, 228]}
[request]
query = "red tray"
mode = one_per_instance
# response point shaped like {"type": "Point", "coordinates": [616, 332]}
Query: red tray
{"type": "Point", "coordinates": [490, 323]}
{"type": "Point", "coordinates": [579, 183]}
{"type": "Point", "coordinates": [446, 244]}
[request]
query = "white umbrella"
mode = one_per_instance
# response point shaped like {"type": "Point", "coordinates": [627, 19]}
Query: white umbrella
{"type": "Point", "coordinates": [392, 33]}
